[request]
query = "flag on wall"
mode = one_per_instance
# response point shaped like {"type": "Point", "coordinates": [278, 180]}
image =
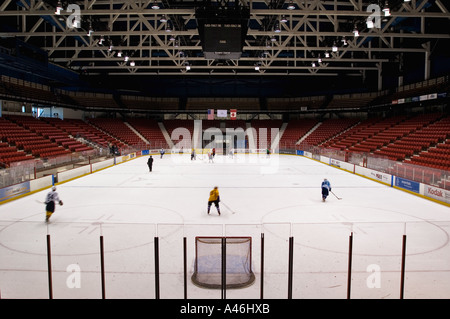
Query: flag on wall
{"type": "Point", "coordinates": [210, 114]}
{"type": "Point", "coordinates": [233, 114]}
{"type": "Point", "coordinates": [222, 113]}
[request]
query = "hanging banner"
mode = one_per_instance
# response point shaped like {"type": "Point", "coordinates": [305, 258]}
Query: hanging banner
{"type": "Point", "coordinates": [233, 114]}
{"type": "Point", "coordinates": [210, 114]}
{"type": "Point", "coordinates": [222, 113]}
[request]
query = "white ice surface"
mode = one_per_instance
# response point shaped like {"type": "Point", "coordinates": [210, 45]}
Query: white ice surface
{"type": "Point", "coordinates": [280, 197]}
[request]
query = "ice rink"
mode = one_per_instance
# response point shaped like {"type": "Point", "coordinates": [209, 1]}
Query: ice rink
{"type": "Point", "coordinates": [280, 197]}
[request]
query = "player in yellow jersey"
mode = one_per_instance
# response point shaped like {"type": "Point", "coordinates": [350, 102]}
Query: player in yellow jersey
{"type": "Point", "coordinates": [214, 198]}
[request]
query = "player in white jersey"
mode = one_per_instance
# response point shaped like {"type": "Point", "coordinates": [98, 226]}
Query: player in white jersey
{"type": "Point", "coordinates": [50, 200]}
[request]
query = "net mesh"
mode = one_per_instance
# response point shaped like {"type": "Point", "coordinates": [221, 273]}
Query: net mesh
{"type": "Point", "coordinates": [208, 262]}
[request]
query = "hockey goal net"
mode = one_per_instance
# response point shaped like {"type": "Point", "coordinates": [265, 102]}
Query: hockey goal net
{"type": "Point", "coordinates": [208, 262]}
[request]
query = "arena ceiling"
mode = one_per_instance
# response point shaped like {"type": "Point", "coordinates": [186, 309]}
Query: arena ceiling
{"type": "Point", "coordinates": [124, 37]}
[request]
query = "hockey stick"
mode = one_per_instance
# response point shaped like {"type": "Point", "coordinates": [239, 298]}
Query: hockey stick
{"type": "Point", "coordinates": [339, 198]}
{"type": "Point", "coordinates": [226, 206]}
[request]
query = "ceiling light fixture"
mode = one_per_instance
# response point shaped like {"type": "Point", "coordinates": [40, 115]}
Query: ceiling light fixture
{"type": "Point", "coordinates": [91, 31]}
{"type": "Point", "coordinates": [291, 5]}
{"type": "Point", "coordinates": [59, 8]}
{"type": "Point", "coordinates": [277, 28]}
{"type": "Point", "coordinates": [335, 48]}
{"type": "Point", "coordinates": [155, 6]}
{"type": "Point", "coordinates": [386, 10]}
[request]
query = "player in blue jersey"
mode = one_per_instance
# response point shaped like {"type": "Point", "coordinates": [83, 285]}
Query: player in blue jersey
{"type": "Point", "coordinates": [326, 189]}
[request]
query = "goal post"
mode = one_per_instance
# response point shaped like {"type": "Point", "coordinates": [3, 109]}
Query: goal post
{"type": "Point", "coordinates": [208, 262]}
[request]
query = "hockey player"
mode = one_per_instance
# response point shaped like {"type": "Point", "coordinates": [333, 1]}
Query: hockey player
{"type": "Point", "coordinates": [50, 200]}
{"type": "Point", "coordinates": [150, 163]}
{"type": "Point", "coordinates": [193, 155]}
{"type": "Point", "coordinates": [214, 198]}
{"type": "Point", "coordinates": [210, 157]}
{"type": "Point", "coordinates": [326, 189]}
{"type": "Point", "coordinates": [162, 152]}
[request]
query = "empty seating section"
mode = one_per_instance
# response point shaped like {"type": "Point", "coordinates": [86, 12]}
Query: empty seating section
{"type": "Point", "coordinates": [25, 89]}
{"type": "Point", "coordinates": [348, 101]}
{"type": "Point", "coordinates": [327, 130]}
{"type": "Point", "coordinates": [398, 148]}
{"type": "Point", "coordinates": [372, 137]}
{"type": "Point", "coordinates": [295, 130]}
{"type": "Point", "coordinates": [150, 130]}
{"type": "Point", "coordinates": [41, 145]}
{"type": "Point", "coordinates": [398, 138]}
{"type": "Point", "coordinates": [64, 136]}
{"type": "Point", "coordinates": [436, 85]}
{"type": "Point", "coordinates": [309, 103]}
{"type": "Point", "coordinates": [8, 133]}
{"type": "Point", "coordinates": [422, 140]}
{"type": "Point", "coordinates": [118, 129]}
{"type": "Point", "coordinates": [149, 103]}
{"type": "Point", "coordinates": [236, 124]}
{"type": "Point", "coordinates": [175, 129]}
{"type": "Point", "coordinates": [80, 129]}
{"type": "Point", "coordinates": [92, 99]}
{"type": "Point", "coordinates": [263, 137]}
{"type": "Point", "coordinates": [436, 140]}
{"type": "Point", "coordinates": [352, 136]}
{"type": "Point", "coordinates": [26, 138]}
{"type": "Point", "coordinates": [212, 123]}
